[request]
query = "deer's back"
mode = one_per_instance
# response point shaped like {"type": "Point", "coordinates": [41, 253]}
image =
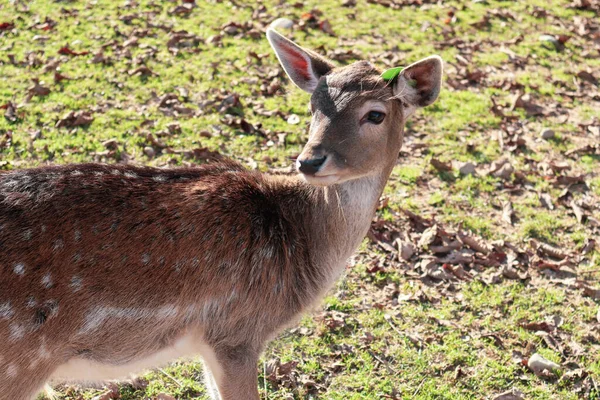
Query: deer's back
{"type": "Point", "coordinates": [85, 249]}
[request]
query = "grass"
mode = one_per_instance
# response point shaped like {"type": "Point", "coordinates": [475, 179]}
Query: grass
{"type": "Point", "coordinates": [394, 335]}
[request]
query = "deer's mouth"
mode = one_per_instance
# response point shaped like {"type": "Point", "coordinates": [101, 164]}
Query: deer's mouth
{"type": "Point", "coordinates": [320, 170]}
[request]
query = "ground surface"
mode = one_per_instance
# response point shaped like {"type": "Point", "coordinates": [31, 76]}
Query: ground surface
{"type": "Point", "coordinates": [457, 286]}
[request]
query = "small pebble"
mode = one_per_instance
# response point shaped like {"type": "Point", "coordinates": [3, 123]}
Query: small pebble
{"type": "Point", "coordinates": [550, 40]}
{"type": "Point", "coordinates": [538, 364]}
{"type": "Point", "coordinates": [149, 151]}
{"type": "Point", "coordinates": [293, 119]}
{"type": "Point", "coordinates": [467, 168]}
{"type": "Point", "coordinates": [547, 133]}
{"type": "Point", "coordinates": [282, 23]}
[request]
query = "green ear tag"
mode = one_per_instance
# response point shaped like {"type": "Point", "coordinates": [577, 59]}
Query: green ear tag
{"type": "Point", "coordinates": [391, 73]}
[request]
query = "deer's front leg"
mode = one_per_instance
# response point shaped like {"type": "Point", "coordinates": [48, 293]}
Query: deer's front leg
{"type": "Point", "coordinates": [233, 369]}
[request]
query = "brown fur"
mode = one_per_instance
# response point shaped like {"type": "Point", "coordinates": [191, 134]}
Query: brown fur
{"type": "Point", "coordinates": [111, 264]}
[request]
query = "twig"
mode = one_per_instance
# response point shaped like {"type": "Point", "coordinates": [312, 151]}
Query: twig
{"type": "Point", "coordinates": [389, 321]}
{"type": "Point", "coordinates": [171, 376]}
{"type": "Point", "coordinates": [592, 271]}
{"type": "Point", "coordinates": [385, 363]}
{"type": "Point", "coordinates": [418, 388]}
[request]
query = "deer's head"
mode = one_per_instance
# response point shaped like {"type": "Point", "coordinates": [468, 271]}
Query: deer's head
{"type": "Point", "coordinates": [357, 116]}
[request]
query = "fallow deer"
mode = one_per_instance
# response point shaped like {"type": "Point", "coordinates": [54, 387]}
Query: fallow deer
{"type": "Point", "coordinates": [106, 270]}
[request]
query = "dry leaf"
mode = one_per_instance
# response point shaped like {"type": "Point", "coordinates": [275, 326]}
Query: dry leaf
{"type": "Point", "coordinates": [6, 26]}
{"type": "Point", "coordinates": [428, 237]}
{"type": "Point", "coordinates": [440, 166]}
{"type": "Point", "coordinates": [589, 246]}
{"type": "Point", "coordinates": [406, 249]}
{"type": "Point", "coordinates": [511, 272]}
{"type": "Point", "coordinates": [325, 26]}
{"type": "Point", "coordinates": [11, 112]}
{"type": "Point", "coordinates": [586, 76]}
{"type": "Point", "coordinates": [578, 212]}
{"type": "Point", "coordinates": [547, 249]}
{"type": "Point", "coordinates": [546, 200]}
{"type": "Point", "coordinates": [513, 394]}
{"type": "Point", "coordinates": [68, 52]}
{"type": "Point", "coordinates": [537, 326]}
{"type": "Point", "coordinates": [143, 71]}
{"type": "Point", "coordinates": [475, 244]}
{"type": "Point", "coordinates": [38, 89]}
{"type": "Point", "coordinates": [454, 245]}
{"type": "Point", "coordinates": [73, 119]}
{"type": "Point", "coordinates": [508, 212]}
{"type": "Point", "coordinates": [591, 292]}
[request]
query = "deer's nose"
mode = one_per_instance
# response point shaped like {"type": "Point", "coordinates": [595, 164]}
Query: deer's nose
{"type": "Point", "coordinates": [311, 166]}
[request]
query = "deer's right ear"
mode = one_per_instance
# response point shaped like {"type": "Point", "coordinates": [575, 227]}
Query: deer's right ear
{"type": "Point", "coordinates": [304, 67]}
{"type": "Point", "coordinates": [419, 84]}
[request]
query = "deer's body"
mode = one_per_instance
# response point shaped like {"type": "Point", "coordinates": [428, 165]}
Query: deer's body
{"type": "Point", "coordinates": [106, 270]}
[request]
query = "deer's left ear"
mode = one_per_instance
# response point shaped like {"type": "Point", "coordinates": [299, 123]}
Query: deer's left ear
{"type": "Point", "coordinates": [304, 67]}
{"type": "Point", "coordinates": [419, 84]}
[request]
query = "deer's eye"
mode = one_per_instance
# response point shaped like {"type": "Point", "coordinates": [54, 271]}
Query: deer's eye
{"type": "Point", "coordinates": [374, 117]}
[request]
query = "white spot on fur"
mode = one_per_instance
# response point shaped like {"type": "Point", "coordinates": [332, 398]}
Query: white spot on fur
{"type": "Point", "coordinates": [115, 172]}
{"type": "Point", "coordinates": [159, 178]}
{"type": "Point", "coordinates": [43, 228]}
{"type": "Point", "coordinates": [167, 311]}
{"type": "Point", "coordinates": [11, 370]}
{"type": "Point", "coordinates": [57, 245]}
{"type": "Point", "coordinates": [31, 302]}
{"type": "Point", "coordinates": [77, 235]}
{"type": "Point", "coordinates": [177, 266]}
{"type": "Point", "coordinates": [266, 252]}
{"type": "Point", "coordinates": [98, 315]}
{"type": "Point", "coordinates": [53, 305]}
{"type": "Point", "coordinates": [145, 258]}
{"type": "Point", "coordinates": [76, 283]}
{"type": "Point", "coordinates": [47, 281]}
{"type": "Point", "coordinates": [19, 269]}
{"type": "Point", "coordinates": [6, 311]}
{"type": "Point", "coordinates": [43, 351]}
{"type": "Point", "coordinates": [27, 234]}
{"type": "Point", "coordinates": [131, 174]}
{"type": "Point", "coordinates": [34, 363]}
{"type": "Point", "coordinates": [17, 331]}
{"type": "Point", "coordinates": [76, 173]}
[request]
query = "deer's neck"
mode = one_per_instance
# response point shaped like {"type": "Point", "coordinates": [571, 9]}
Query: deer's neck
{"type": "Point", "coordinates": [343, 219]}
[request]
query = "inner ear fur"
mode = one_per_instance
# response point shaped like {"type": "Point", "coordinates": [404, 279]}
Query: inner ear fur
{"type": "Point", "coordinates": [304, 67]}
{"type": "Point", "coordinates": [419, 84]}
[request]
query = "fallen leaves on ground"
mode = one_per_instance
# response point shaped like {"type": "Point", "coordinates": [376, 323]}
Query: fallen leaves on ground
{"type": "Point", "coordinates": [75, 118]}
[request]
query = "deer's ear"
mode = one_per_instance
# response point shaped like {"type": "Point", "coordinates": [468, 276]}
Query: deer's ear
{"type": "Point", "coordinates": [304, 67]}
{"type": "Point", "coordinates": [419, 84]}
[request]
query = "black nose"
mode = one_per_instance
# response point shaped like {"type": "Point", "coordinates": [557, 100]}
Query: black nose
{"type": "Point", "coordinates": [312, 165]}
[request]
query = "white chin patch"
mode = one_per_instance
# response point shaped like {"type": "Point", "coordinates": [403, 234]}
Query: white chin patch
{"type": "Point", "coordinates": [321, 180]}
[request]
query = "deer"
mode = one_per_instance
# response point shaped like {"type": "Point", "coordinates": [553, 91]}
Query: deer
{"type": "Point", "coordinates": [108, 270]}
